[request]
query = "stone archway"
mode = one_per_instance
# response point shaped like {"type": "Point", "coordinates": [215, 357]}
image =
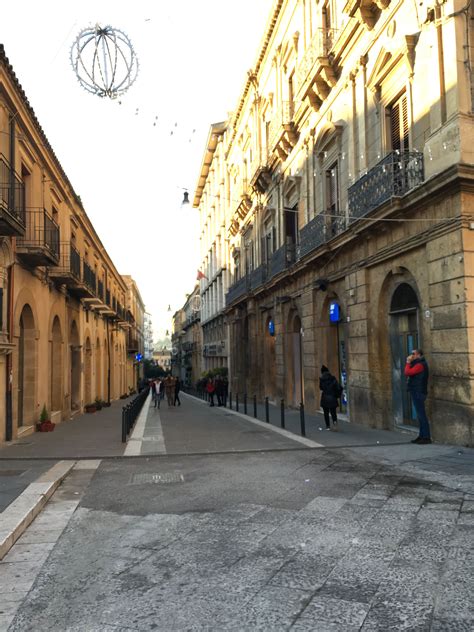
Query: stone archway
{"type": "Point", "coordinates": [294, 361]}
{"type": "Point", "coordinates": [56, 371]}
{"type": "Point", "coordinates": [88, 371]}
{"type": "Point", "coordinates": [98, 372]}
{"type": "Point", "coordinates": [75, 365]}
{"type": "Point", "coordinates": [27, 368]}
{"type": "Point", "coordinates": [269, 359]}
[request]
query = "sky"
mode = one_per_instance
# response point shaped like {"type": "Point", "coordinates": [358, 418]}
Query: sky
{"type": "Point", "coordinates": [130, 159]}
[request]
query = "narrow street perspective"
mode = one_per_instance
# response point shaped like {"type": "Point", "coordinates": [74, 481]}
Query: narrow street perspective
{"type": "Point", "coordinates": [220, 523]}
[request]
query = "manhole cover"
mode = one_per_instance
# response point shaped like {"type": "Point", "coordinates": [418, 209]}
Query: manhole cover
{"type": "Point", "coordinates": [163, 478]}
{"type": "Point", "coordinates": [11, 472]}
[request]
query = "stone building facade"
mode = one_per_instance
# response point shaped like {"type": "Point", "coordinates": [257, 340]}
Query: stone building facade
{"type": "Point", "coordinates": [63, 323]}
{"type": "Point", "coordinates": [135, 311]}
{"type": "Point", "coordinates": [342, 188]}
{"type": "Point", "coordinates": [187, 340]}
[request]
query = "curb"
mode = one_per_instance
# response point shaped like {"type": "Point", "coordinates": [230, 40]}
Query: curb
{"type": "Point", "coordinates": [23, 510]}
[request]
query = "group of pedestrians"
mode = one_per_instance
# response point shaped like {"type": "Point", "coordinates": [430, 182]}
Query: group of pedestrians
{"type": "Point", "coordinates": [169, 386]}
{"type": "Point", "coordinates": [219, 387]}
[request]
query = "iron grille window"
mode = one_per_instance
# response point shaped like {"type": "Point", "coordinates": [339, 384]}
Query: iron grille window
{"type": "Point", "coordinates": [397, 115]}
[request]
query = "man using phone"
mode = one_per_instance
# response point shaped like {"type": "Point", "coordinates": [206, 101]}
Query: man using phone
{"type": "Point", "coordinates": [417, 374]}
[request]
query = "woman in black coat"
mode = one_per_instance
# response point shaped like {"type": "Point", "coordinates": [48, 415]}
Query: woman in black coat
{"type": "Point", "coordinates": [331, 391]}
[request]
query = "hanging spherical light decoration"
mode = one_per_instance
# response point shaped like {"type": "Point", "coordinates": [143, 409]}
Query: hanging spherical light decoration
{"type": "Point", "coordinates": [104, 61]}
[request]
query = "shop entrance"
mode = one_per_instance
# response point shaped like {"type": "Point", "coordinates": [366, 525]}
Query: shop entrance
{"type": "Point", "coordinates": [404, 337]}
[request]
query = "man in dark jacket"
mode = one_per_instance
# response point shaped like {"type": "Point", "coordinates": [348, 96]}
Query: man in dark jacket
{"type": "Point", "coordinates": [331, 391]}
{"type": "Point", "coordinates": [177, 388]}
{"type": "Point", "coordinates": [417, 374]}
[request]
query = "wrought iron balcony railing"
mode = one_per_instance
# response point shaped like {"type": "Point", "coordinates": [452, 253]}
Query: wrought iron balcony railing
{"type": "Point", "coordinates": [40, 243]}
{"type": "Point", "coordinates": [89, 277]}
{"type": "Point", "coordinates": [258, 277]}
{"type": "Point", "coordinates": [319, 49]}
{"type": "Point", "coordinates": [12, 201]}
{"type": "Point", "coordinates": [68, 270]}
{"type": "Point", "coordinates": [240, 288]}
{"type": "Point", "coordinates": [312, 235]}
{"type": "Point", "coordinates": [281, 259]}
{"type": "Point", "coordinates": [394, 176]}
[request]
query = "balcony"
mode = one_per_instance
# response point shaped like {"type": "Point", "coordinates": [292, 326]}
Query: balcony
{"type": "Point", "coordinates": [257, 277]}
{"type": "Point", "coordinates": [316, 73]}
{"type": "Point", "coordinates": [281, 259]}
{"type": "Point", "coordinates": [132, 345]}
{"type": "Point", "coordinates": [394, 176]}
{"type": "Point", "coordinates": [68, 270]}
{"type": "Point", "coordinates": [312, 235]}
{"type": "Point", "coordinates": [260, 173]}
{"type": "Point", "coordinates": [283, 135]}
{"type": "Point", "coordinates": [12, 202]}
{"type": "Point", "coordinates": [39, 246]}
{"type": "Point", "coordinates": [239, 289]}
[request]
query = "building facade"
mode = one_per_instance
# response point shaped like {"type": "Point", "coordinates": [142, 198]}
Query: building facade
{"type": "Point", "coordinates": [63, 326]}
{"type": "Point", "coordinates": [148, 337]}
{"type": "Point", "coordinates": [342, 187]}
{"type": "Point", "coordinates": [187, 340]}
{"type": "Point", "coordinates": [135, 309]}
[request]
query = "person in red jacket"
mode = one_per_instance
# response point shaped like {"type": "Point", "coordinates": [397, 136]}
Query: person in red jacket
{"type": "Point", "coordinates": [417, 374]}
{"type": "Point", "coordinates": [210, 388]}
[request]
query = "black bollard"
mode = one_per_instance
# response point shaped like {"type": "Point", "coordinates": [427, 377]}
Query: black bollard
{"type": "Point", "coordinates": [267, 411]}
{"type": "Point", "coordinates": [282, 413]}
{"type": "Point", "coordinates": [302, 422]}
{"type": "Point", "coordinates": [255, 406]}
{"type": "Point", "coordinates": [245, 403]}
{"type": "Point", "coordinates": [230, 400]}
{"type": "Point", "coordinates": [237, 402]}
{"type": "Point", "coordinates": [124, 426]}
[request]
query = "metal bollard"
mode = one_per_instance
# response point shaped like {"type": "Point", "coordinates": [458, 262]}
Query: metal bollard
{"type": "Point", "coordinates": [267, 411]}
{"type": "Point", "coordinates": [245, 403]}
{"type": "Point", "coordinates": [282, 413]}
{"type": "Point", "coordinates": [255, 406]}
{"type": "Point", "coordinates": [302, 422]}
{"type": "Point", "coordinates": [237, 402]}
{"type": "Point", "coordinates": [124, 427]}
{"type": "Point", "coordinates": [230, 400]}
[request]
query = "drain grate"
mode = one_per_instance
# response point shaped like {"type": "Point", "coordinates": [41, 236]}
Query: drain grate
{"type": "Point", "coordinates": [164, 478]}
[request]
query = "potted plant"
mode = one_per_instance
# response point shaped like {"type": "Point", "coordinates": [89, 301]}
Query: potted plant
{"type": "Point", "coordinates": [90, 408]}
{"type": "Point", "coordinates": [105, 404]}
{"type": "Point", "coordinates": [45, 424]}
{"type": "Point", "coordinates": [98, 403]}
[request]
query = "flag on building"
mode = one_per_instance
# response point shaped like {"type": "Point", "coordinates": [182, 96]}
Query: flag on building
{"type": "Point", "coordinates": [200, 275]}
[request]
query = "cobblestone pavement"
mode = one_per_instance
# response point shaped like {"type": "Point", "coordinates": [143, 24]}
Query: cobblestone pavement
{"type": "Point", "coordinates": [321, 540]}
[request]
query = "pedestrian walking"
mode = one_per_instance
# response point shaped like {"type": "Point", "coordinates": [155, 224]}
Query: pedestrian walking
{"type": "Point", "coordinates": [417, 374]}
{"type": "Point", "coordinates": [177, 388]}
{"type": "Point", "coordinates": [210, 389]}
{"type": "Point", "coordinates": [331, 392]}
{"type": "Point", "coordinates": [157, 386]}
{"type": "Point", "coordinates": [169, 388]}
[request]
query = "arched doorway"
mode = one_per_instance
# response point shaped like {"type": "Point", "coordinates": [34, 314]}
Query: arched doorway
{"type": "Point", "coordinates": [269, 358]}
{"type": "Point", "coordinates": [295, 386]}
{"type": "Point", "coordinates": [56, 366]}
{"type": "Point", "coordinates": [404, 337]}
{"type": "Point", "coordinates": [98, 374]}
{"type": "Point", "coordinates": [88, 371]}
{"type": "Point", "coordinates": [75, 367]}
{"type": "Point", "coordinates": [27, 362]}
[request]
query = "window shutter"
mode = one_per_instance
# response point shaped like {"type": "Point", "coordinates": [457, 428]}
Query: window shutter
{"type": "Point", "coordinates": [395, 126]}
{"type": "Point", "coordinates": [404, 123]}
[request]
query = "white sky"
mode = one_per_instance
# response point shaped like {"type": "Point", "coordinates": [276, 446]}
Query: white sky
{"type": "Point", "coordinates": [193, 60]}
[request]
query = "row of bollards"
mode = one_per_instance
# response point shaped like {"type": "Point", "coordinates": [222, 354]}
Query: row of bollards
{"type": "Point", "coordinates": [267, 410]}
{"type": "Point", "coordinates": [131, 411]}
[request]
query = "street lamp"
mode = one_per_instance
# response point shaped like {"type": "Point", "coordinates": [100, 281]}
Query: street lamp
{"type": "Point", "coordinates": [185, 199]}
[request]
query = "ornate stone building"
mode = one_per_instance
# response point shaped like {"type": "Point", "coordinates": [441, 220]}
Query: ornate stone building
{"type": "Point", "coordinates": [341, 187]}
{"type": "Point", "coordinates": [187, 340]}
{"type": "Point", "coordinates": [63, 324]}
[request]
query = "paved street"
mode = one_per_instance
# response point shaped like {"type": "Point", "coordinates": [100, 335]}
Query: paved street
{"type": "Point", "coordinates": [218, 523]}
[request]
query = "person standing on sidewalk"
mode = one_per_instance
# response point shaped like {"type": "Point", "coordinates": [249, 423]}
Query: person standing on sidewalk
{"type": "Point", "coordinates": [331, 391]}
{"type": "Point", "coordinates": [417, 374]}
{"type": "Point", "coordinates": [169, 387]}
{"type": "Point", "coordinates": [210, 389]}
{"type": "Point", "coordinates": [157, 386]}
{"type": "Point", "coordinates": [177, 388]}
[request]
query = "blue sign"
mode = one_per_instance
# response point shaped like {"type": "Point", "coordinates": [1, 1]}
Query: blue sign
{"type": "Point", "coordinates": [138, 357]}
{"type": "Point", "coordinates": [271, 327]}
{"type": "Point", "coordinates": [334, 312]}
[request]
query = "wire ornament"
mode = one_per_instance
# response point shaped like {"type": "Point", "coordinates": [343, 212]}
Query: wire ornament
{"type": "Point", "coordinates": [104, 61]}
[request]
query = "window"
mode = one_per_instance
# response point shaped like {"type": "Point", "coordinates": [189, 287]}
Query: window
{"type": "Point", "coordinates": [397, 123]}
{"type": "Point", "coordinates": [332, 197]}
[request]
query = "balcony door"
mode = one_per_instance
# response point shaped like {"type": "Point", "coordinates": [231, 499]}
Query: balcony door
{"type": "Point", "coordinates": [27, 375]}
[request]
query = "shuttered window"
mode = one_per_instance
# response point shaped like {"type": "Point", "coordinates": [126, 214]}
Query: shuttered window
{"type": "Point", "coordinates": [398, 120]}
{"type": "Point", "coordinates": [332, 189]}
